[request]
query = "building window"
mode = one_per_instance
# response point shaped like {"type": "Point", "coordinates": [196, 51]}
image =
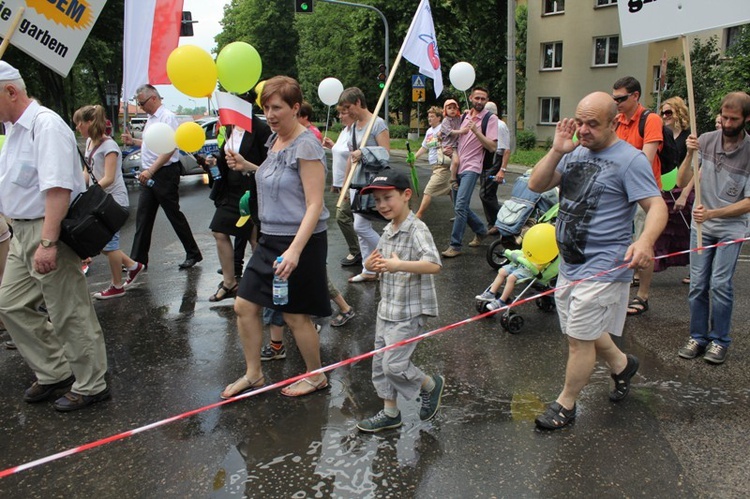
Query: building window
{"type": "Point", "coordinates": [549, 110]}
{"type": "Point", "coordinates": [731, 35]}
{"type": "Point", "coordinates": [605, 3]}
{"type": "Point", "coordinates": [605, 50]}
{"type": "Point", "coordinates": [552, 55]}
{"type": "Point", "coordinates": [657, 79]}
{"type": "Point", "coordinates": [553, 7]}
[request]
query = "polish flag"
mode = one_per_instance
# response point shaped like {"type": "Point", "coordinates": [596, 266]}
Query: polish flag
{"type": "Point", "coordinates": [234, 111]}
{"type": "Point", "coordinates": [152, 32]}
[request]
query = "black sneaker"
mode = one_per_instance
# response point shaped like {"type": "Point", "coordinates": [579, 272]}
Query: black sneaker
{"type": "Point", "coordinates": [431, 400]}
{"type": "Point", "coordinates": [622, 380]}
{"type": "Point", "coordinates": [715, 354]}
{"type": "Point", "coordinates": [270, 353]}
{"type": "Point", "coordinates": [379, 422]}
{"type": "Point", "coordinates": [691, 350]}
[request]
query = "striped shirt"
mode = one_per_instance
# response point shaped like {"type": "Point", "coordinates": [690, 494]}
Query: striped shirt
{"type": "Point", "coordinates": [404, 295]}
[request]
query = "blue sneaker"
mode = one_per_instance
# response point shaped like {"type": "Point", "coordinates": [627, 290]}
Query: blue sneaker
{"type": "Point", "coordinates": [379, 422]}
{"type": "Point", "coordinates": [431, 400]}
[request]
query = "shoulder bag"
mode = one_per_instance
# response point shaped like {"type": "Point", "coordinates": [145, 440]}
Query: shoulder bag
{"type": "Point", "coordinates": [373, 161]}
{"type": "Point", "coordinates": [94, 217]}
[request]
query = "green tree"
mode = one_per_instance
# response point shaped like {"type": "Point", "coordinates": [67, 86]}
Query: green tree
{"type": "Point", "coordinates": [267, 25]}
{"type": "Point", "coordinates": [99, 62]}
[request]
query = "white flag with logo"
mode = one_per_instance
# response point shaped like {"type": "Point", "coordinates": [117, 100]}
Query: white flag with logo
{"type": "Point", "coordinates": [420, 47]}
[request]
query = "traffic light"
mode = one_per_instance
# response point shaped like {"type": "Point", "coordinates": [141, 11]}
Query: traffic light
{"type": "Point", "coordinates": [303, 6]}
{"type": "Point", "coordinates": [381, 76]}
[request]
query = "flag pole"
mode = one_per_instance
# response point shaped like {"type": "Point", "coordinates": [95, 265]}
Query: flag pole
{"type": "Point", "coordinates": [693, 131]}
{"type": "Point", "coordinates": [371, 124]}
{"type": "Point", "coordinates": [11, 30]}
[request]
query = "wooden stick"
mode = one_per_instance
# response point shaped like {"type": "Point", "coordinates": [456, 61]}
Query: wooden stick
{"type": "Point", "coordinates": [375, 112]}
{"type": "Point", "coordinates": [694, 131]}
{"type": "Point", "coordinates": [11, 30]}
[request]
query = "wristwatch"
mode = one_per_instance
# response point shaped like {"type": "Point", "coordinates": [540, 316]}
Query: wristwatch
{"type": "Point", "coordinates": [47, 243]}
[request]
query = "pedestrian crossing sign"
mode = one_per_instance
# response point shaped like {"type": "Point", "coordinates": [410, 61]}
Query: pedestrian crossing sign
{"type": "Point", "coordinates": [417, 81]}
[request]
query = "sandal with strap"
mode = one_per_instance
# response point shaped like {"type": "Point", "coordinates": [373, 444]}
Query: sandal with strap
{"type": "Point", "coordinates": [637, 306]}
{"type": "Point", "coordinates": [342, 318]}
{"type": "Point", "coordinates": [556, 416]}
{"type": "Point", "coordinates": [315, 387]}
{"type": "Point", "coordinates": [622, 380]}
{"type": "Point", "coordinates": [249, 386]}
{"type": "Point", "coordinates": [226, 292]}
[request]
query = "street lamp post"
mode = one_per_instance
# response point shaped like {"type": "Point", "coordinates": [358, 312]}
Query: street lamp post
{"type": "Point", "coordinates": [385, 23]}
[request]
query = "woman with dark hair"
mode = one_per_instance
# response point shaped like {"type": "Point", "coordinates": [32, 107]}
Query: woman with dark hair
{"type": "Point", "coordinates": [290, 183]}
{"type": "Point", "coordinates": [104, 158]}
{"type": "Point", "coordinates": [226, 193]}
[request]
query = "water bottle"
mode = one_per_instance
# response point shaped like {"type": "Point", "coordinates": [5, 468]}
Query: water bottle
{"type": "Point", "coordinates": [280, 288]}
{"type": "Point", "coordinates": [149, 183]}
{"type": "Point", "coordinates": [492, 177]}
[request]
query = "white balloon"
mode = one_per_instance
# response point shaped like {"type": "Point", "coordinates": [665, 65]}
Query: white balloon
{"type": "Point", "coordinates": [159, 138]}
{"type": "Point", "coordinates": [330, 90]}
{"type": "Point", "coordinates": [462, 75]}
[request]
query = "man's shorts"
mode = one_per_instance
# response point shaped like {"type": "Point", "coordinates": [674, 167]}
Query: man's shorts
{"type": "Point", "coordinates": [591, 308]}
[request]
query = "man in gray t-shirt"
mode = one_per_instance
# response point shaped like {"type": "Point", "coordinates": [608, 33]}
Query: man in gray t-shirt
{"type": "Point", "coordinates": [723, 213]}
{"type": "Point", "coordinates": [601, 180]}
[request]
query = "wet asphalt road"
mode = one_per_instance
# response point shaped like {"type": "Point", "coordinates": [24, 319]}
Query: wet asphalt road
{"type": "Point", "coordinates": [680, 433]}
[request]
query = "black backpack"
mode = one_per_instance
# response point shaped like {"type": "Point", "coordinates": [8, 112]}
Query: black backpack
{"type": "Point", "coordinates": [668, 154]}
{"type": "Point", "coordinates": [492, 160]}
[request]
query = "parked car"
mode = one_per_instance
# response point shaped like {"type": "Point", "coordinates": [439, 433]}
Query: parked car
{"type": "Point", "coordinates": [131, 163]}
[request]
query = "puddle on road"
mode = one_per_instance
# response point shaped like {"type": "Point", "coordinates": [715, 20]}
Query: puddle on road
{"type": "Point", "coordinates": [343, 462]}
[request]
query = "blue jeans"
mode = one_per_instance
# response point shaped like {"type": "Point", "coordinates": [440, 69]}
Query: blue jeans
{"type": "Point", "coordinates": [461, 200]}
{"type": "Point", "coordinates": [711, 275]}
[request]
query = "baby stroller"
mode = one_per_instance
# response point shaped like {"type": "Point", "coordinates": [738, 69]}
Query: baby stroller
{"type": "Point", "coordinates": [522, 211]}
{"type": "Point", "coordinates": [540, 282]}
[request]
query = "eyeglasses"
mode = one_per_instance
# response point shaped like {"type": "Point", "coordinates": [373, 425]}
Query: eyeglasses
{"type": "Point", "coordinates": [143, 103]}
{"type": "Point", "coordinates": [621, 98]}
{"type": "Point", "coordinates": [667, 113]}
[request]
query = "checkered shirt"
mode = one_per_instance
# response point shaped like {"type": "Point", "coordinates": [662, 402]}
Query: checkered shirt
{"type": "Point", "coordinates": [404, 295]}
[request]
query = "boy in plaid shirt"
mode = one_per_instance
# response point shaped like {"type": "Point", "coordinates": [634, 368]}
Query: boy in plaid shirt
{"type": "Point", "coordinates": [406, 257]}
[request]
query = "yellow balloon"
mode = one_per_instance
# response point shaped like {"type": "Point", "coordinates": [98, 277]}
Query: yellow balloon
{"type": "Point", "coordinates": [190, 136]}
{"type": "Point", "coordinates": [539, 245]}
{"type": "Point", "coordinates": [258, 91]}
{"type": "Point", "coordinates": [192, 71]}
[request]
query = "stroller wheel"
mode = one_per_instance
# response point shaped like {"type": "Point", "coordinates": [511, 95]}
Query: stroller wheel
{"type": "Point", "coordinates": [495, 254]}
{"type": "Point", "coordinates": [545, 303]}
{"type": "Point", "coordinates": [504, 320]}
{"type": "Point", "coordinates": [515, 323]}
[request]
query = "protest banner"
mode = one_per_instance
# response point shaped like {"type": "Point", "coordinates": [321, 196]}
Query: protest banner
{"type": "Point", "coordinates": [51, 31]}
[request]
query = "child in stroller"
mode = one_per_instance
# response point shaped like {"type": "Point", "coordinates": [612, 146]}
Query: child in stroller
{"type": "Point", "coordinates": [536, 266]}
{"type": "Point", "coordinates": [512, 272]}
{"type": "Point", "coordinates": [517, 215]}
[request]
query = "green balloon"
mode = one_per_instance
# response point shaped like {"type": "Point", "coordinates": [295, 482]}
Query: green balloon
{"type": "Point", "coordinates": [669, 180]}
{"type": "Point", "coordinates": [239, 67]}
{"type": "Point", "coordinates": [2, 141]}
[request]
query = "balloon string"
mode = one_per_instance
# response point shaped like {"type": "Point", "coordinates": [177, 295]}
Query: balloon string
{"type": "Point", "coordinates": [466, 98]}
{"type": "Point", "coordinates": [328, 118]}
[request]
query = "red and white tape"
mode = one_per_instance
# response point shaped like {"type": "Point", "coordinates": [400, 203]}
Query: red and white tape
{"type": "Point", "coordinates": [331, 367]}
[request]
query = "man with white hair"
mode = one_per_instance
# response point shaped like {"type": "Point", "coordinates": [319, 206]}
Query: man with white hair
{"type": "Point", "coordinates": [40, 173]}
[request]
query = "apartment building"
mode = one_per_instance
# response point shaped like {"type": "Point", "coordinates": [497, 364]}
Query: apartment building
{"type": "Point", "coordinates": [574, 48]}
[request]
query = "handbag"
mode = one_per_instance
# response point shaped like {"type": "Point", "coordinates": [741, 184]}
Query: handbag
{"type": "Point", "coordinates": [373, 161]}
{"type": "Point", "coordinates": [94, 217]}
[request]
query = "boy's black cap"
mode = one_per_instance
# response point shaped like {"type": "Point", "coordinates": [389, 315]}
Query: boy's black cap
{"type": "Point", "coordinates": [386, 180]}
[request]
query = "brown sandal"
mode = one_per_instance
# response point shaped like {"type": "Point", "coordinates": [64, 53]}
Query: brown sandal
{"type": "Point", "coordinates": [227, 292]}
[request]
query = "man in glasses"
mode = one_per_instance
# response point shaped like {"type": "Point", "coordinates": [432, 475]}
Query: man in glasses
{"type": "Point", "coordinates": [626, 93]}
{"type": "Point", "coordinates": [164, 170]}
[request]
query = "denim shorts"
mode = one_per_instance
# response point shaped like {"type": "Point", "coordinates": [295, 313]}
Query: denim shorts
{"type": "Point", "coordinates": [273, 317]}
{"type": "Point", "coordinates": [114, 243]}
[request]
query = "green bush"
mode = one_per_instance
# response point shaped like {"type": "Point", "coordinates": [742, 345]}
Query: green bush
{"type": "Point", "coordinates": [398, 131]}
{"type": "Point", "coordinates": [526, 140]}
{"type": "Point", "coordinates": [336, 127]}
{"type": "Point", "coordinates": [548, 143]}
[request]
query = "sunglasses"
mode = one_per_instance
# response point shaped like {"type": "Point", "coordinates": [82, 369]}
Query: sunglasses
{"type": "Point", "coordinates": [667, 113]}
{"type": "Point", "coordinates": [143, 103]}
{"type": "Point", "coordinates": [621, 98]}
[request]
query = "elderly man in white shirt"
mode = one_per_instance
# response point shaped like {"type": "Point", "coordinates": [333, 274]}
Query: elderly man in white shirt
{"type": "Point", "coordinates": [40, 173]}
